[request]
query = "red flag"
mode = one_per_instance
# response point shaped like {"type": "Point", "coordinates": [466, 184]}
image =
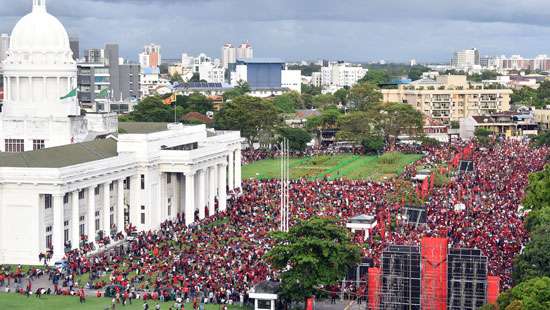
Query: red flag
{"type": "Point", "coordinates": [425, 187]}
{"type": "Point", "coordinates": [432, 180]}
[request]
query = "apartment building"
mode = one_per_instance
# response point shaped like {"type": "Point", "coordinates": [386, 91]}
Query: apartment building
{"type": "Point", "coordinates": [451, 97]}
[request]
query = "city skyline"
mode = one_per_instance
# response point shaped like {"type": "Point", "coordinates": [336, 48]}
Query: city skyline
{"type": "Point", "coordinates": [428, 31]}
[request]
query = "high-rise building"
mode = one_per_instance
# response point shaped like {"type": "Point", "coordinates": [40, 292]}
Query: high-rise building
{"type": "Point", "coordinates": [150, 57]}
{"type": "Point", "coordinates": [102, 78]}
{"type": "Point", "coordinates": [245, 51]}
{"type": "Point", "coordinates": [259, 73]}
{"type": "Point", "coordinates": [450, 97]}
{"type": "Point", "coordinates": [229, 55]}
{"type": "Point", "coordinates": [341, 74]}
{"type": "Point", "coordinates": [211, 73]}
{"type": "Point", "coordinates": [74, 43]}
{"type": "Point", "coordinates": [4, 46]}
{"type": "Point", "coordinates": [466, 59]}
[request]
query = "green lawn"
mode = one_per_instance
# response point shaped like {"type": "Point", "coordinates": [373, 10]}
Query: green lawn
{"type": "Point", "coordinates": [347, 166]}
{"type": "Point", "coordinates": [16, 302]}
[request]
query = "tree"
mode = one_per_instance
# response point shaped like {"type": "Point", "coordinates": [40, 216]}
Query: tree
{"type": "Point", "coordinates": [253, 116]}
{"type": "Point", "coordinates": [288, 102]}
{"type": "Point", "coordinates": [328, 119]}
{"type": "Point", "coordinates": [341, 95]}
{"type": "Point", "coordinates": [375, 77]}
{"type": "Point", "coordinates": [537, 194]}
{"type": "Point", "coordinates": [534, 261]}
{"type": "Point", "coordinates": [373, 144]}
{"type": "Point", "coordinates": [152, 109]}
{"type": "Point", "coordinates": [525, 96]}
{"type": "Point", "coordinates": [392, 119]}
{"type": "Point", "coordinates": [243, 87]}
{"type": "Point", "coordinates": [543, 138]}
{"type": "Point", "coordinates": [537, 218]}
{"type": "Point", "coordinates": [415, 73]}
{"type": "Point", "coordinates": [354, 127]}
{"type": "Point", "coordinates": [176, 77]}
{"type": "Point", "coordinates": [311, 90]}
{"type": "Point", "coordinates": [323, 100]}
{"type": "Point", "coordinates": [195, 78]}
{"type": "Point", "coordinates": [195, 102]}
{"type": "Point", "coordinates": [533, 294]}
{"type": "Point", "coordinates": [364, 95]}
{"type": "Point", "coordinates": [313, 254]}
{"type": "Point", "coordinates": [482, 135]}
{"type": "Point", "coordinates": [298, 138]}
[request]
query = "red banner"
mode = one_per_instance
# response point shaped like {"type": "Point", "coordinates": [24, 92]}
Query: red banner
{"type": "Point", "coordinates": [374, 288]}
{"type": "Point", "coordinates": [434, 273]}
{"type": "Point", "coordinates": [493, 289]}
{"type": "Point", "coordinates": [309, 303]}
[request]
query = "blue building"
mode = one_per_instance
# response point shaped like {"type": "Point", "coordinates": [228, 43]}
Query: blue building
{"type": "Point", "coordinates": [260, 72]}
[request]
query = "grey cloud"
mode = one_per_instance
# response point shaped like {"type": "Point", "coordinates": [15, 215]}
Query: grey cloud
{"type": "Point", "coordinates": [293, 29]}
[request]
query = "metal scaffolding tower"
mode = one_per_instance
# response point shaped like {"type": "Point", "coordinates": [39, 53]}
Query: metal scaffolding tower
{"type": "Point", "coordinates": [285, 183]}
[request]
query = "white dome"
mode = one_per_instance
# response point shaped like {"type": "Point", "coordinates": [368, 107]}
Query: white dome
{"type": "Point", "coordinates": [39, 30]}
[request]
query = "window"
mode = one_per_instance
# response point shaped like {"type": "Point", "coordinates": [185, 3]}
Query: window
{"type": "Point", "coordinates": [81, 194]}
{"type": "Point", "coordinates": [96, 213]}
{"type": "Point", "coordinates": [112, 218]}
{"type": "Point", "coordinates": [38, 144]}
{"type": "Point", "coordinates": [49, 241]}
{"type": "Point", "coordinates": [82, 229]}
{"type": "Point", "coordinates": [66, 223]}
{"type": "Point", "coordinates": [48, 229]}
{"type": "Point", "coordinates": [143, 181]}
{"type": "Point", "coordinates": [168, 178]}
{"type": "Point", "coordinates": [142, 208]}
{"type": "Point", "coordinates": [47, 201]}
{"type": "Point", "coordinates": [96, 190]}
{"type": "Point", "coordinates": [66, 199]}
{"type": "Point", "coordinates": [14, 145]}
{"type": "Point", "coordinates": [66, 235]}
{"type": "Point", "coordinates": [169, 206]}
{"type": "Point", "coordinates": [81, 218]}
{"type": "Point", "coordinates": [96, 224]}
{"type": "Point", "coordinates": [111, 187]}
{"type": "Point", "coordinates": [142, 218]}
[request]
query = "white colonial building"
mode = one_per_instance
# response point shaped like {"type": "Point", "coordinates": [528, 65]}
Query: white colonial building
{"type": "Point", "coordinates": [84, 177]}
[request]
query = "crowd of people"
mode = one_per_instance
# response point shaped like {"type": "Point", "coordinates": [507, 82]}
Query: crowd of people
{"type": "Point", "coordinates": [218, 259]}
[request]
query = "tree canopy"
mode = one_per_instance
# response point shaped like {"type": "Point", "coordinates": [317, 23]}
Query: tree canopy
{"type": "Point", "coordinates": [543, 138]}
{"type": "Point", "coordinates": [298, 138]}
{"type": "Point", "coordinates": [364, 95]}
{"type": "Point", "coordinates": [152, 109]}
{"type": "Point", "coordinates": [255, 117]}
{"type": "Point", "coordinates": [288, 102]}
{"type": "Point", "coordinates": [392, 119]}
{"type": "Point", "coordinates": [533, 294]}
{"type": "Point", "coordinates": [314, 253]}
{"type": "Point", "coordinates": [534, 261]}
{"type": "Point", "coordinates": [538, 98]}
{"type": "Point", "coordinates": [537, 194]}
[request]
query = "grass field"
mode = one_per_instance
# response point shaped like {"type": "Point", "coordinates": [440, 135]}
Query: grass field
{"type": "Point", "coordinates": [19, 302]}
{"type": "Point", "coordinates": [347, 166]}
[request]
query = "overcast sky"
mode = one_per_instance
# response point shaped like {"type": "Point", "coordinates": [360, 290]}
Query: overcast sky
{"type": "Point", "coordinates": [358, 30]}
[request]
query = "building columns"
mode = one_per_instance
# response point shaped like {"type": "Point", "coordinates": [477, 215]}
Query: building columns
{"type": "Point", "coordinates": [231, 171]}
{"type": "Point", "coordinates": [189, 197]}
{"type": "Point", "coordinates": [222, 198]}
{"type": "Point", "coordinates": [201, 189]}
{"type": "Point", "coordinates": [91, 214]}
{"type": "Point", "coordinates": [238, 175]}
{"type": "Point", "coordinates": [106, 210]}
{"type": "Point", "coordinates": [212, 190]}
{"type": "Point", "coordinates": [120, 206]}
{"type": "Point", "coordinates": [75, 220]}
{"type": "Point", "coordinates": [58, 227]}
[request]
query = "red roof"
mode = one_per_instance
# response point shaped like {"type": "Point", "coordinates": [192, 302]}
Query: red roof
{"type": "Point", "coordinates": [196, 116]}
